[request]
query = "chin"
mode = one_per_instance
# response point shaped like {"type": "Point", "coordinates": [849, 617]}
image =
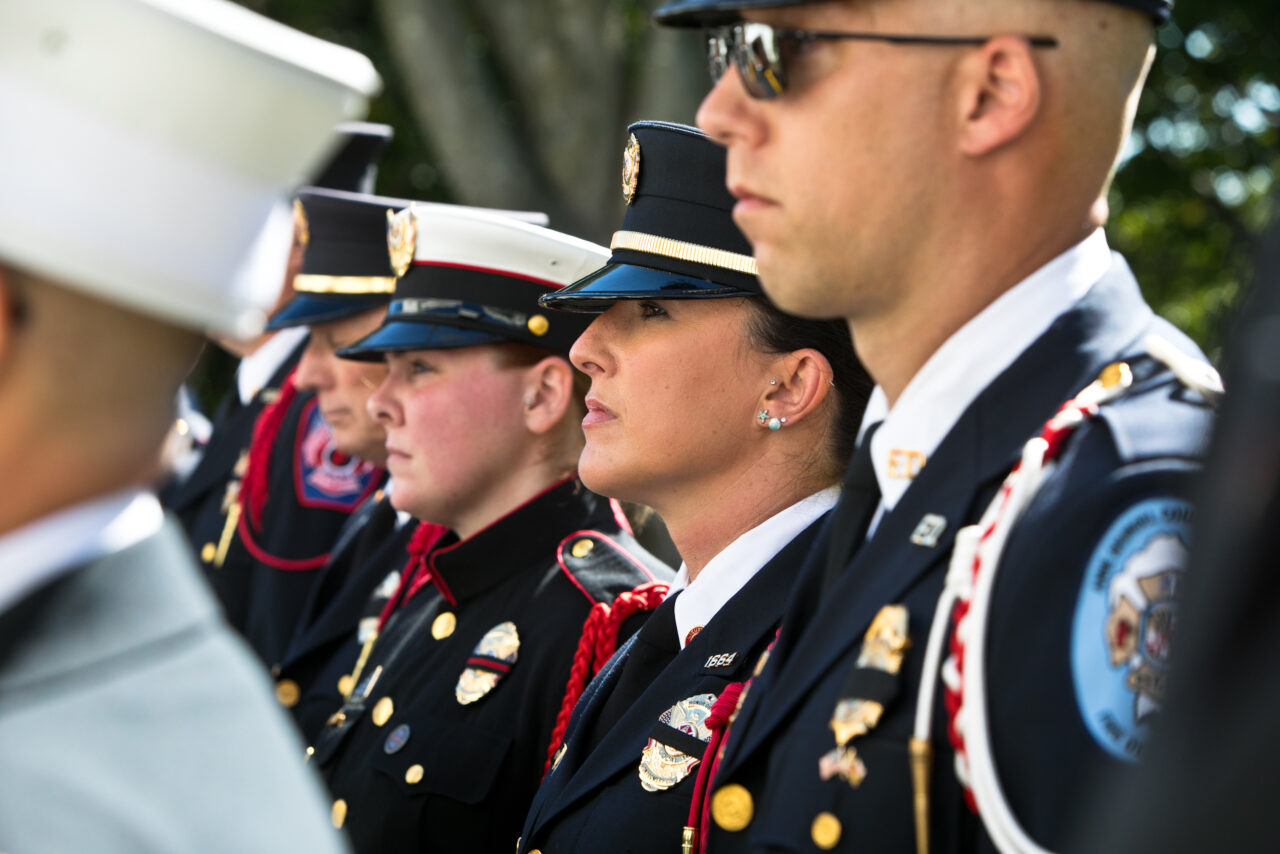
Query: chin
{"type": "Point", "coordinates": [605, 477]}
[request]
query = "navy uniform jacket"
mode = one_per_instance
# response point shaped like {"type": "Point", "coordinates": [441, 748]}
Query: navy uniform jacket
{"type": "Point", "coordinates": [201, 501]}
{"type": "Point", "coordinates": [313, 673]}
{"type": "Point", "coordinates": [312, 488]}
{"type": "Point", "coordinates": [1057, 703]}
{"type": "Point", "coordinates": [445, 738]}
{"type": "Point", "coordinates": [593, 800]}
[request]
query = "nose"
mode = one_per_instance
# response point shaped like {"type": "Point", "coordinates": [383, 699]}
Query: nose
{"type": "Point", "coordinates": [729, 115]}
{"type": "Point", "coordinates": [314, 371]}
{"type": "Point", "coordinates": [382, 405]}
{"type": "Point", "coordinates": [589, 353]}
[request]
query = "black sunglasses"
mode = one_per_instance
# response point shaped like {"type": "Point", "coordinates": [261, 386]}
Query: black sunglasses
{"type": "Point", "coordinates": [763, 53]}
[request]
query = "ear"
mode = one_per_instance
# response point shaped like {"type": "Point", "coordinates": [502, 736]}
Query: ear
{"type": "Point", "coordinates": [547, 392]}
{"type": "Point", "coordinates": [802, 383]}
{"type": "Point", "coordinates": [999, 94]}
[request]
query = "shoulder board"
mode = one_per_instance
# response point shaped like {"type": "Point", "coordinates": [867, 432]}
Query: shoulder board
{"type": "Point", "coordinates": [603, 565]}
{"type": "Point", "coordinates": [1168, 412]}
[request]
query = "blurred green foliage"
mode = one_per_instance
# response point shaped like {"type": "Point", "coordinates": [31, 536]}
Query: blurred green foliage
{"type": "Point", "coordinates": [1190, 202]}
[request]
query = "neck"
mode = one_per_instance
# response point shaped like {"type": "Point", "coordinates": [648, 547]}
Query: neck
{"type": "Point", "coordinates": [702, 523]}
{"type": "Point", "coordinates": [504, 498]}
{"type": "Point", "coordinates": [946, 292]}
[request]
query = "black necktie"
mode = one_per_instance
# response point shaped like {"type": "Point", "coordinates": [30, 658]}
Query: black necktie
{"type": "Point", "coordinates": [852, 516]}
{"type": "Point", "coordinates": [656, 644]}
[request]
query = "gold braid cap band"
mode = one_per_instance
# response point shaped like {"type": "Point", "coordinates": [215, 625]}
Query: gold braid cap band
{"type": "Point", "coordinates": [682, 251]}
{"type": "Point", "coordinates": [313, 284]}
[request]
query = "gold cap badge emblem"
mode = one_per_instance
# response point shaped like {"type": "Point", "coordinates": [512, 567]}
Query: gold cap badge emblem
{"type": "Point", "coordinates": [402, 239]}
{"type": "Point", "coordinates": [492, 659]}
{"type": "Point", "coordinates": [301, 229]}
{"type": "Point", "coordinates": [630, 168]}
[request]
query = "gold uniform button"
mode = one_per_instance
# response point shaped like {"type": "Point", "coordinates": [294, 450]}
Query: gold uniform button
{"type": "Point", "coordinates": [338, 815]}
{"type": "Point", "coordinates": [208, 553]}
{"type": "Point", "coordinates": [345, 684]}
{"type": "Point", "coordinates": [1114, 374]}
{"type": "Point", "coordinates": [731, 807]}
{"type": "Point", "coordinates": [287, 693]}
{"type": "Point", "coordinates": [413, 775]}
{"type": "Point", "coordinates": [826, 831]}
{"type": "Point", "coordinates": [443, 625]}
{"type": "Point", "coordinates": [582, 548]}
{"type": "Point", "coordinates": [382, 711]}
{"type": "Point", "coordinates": [538, 325]}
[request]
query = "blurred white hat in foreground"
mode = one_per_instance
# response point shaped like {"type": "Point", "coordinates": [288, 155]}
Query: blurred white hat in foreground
{"type": "Point", "coordinates": [148, 149]}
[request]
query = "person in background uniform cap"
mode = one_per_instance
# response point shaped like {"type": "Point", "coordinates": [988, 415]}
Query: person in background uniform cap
{"type": "Point", "coordinates": [936, 174]}
{"type": "Point", "coordinates": [314, 624]}
{"type": "Point", "coordinates": [523, 584]}
{"type": "Point", "coordinates": [734, 421]}
{"type": "Point", "coordinates": [1211, 783]}
{"type": "Point", "coordinates": [131, 718]}
{"type": "Point", "coordinates": [206, 501]}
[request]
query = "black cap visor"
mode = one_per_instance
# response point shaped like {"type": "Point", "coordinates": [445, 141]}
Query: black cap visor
{"type": "Point", "coordinates": [310, 309]}
{"type": "Point", "coordinates": [614, 282]}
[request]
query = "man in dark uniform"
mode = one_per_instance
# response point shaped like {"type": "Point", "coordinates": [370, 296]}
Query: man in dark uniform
{"type": "Point", "coordinates": [311, 626]}
{"type": "Point", "coordinates": [206, 501]}
{"type": "Point", "coordinates": [132, 720]}
{"type": "Point", "coordinates": [503, 614]}
{"type": "Point", "coordinates": [935, 172]}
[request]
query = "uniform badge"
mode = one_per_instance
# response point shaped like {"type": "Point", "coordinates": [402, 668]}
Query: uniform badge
{"type": "Point", "coordinates": [1125, 621]}
{"type": "Point", "coordinates": [301, 228]}
{"type": "Point", "coordinates": [402, 239]}
{"type": "Point", "coordinates": [630, 169]}
{"type": "Point", "coordinates": [864, 695]}
{"type": "Point", "coordinates": [491, 660]}
{"type": "Point", "coordinates": [326, 477]}
{"type": "Point", "coordinates": [661, 765]}
{"type": "Point", "coordinates": [396, 739]}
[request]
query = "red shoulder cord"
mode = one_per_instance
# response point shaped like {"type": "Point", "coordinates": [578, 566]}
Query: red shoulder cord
{"type": "Point", "coordinates": [596, 646]}
{"type": "Point", "coordinates": [722, 712]}
{"type": "Point", "coordinates": [1055, 433]}
{"type": "Point", "coordinates": [255, 485]}
{"type": "Point", "coordinates": [417, 570]}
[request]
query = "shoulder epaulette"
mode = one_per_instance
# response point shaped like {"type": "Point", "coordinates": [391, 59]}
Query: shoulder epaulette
{"type": "Point", "coordinates": [603, 565]}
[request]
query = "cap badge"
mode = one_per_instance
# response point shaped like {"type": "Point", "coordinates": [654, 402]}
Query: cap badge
{"type": "Point", "coordinates": [662, 765]}
{"type": "Point", "coordinates": [402, 238]}
{"type": "Point", "coordinates": [630, 169]}
{"type": "Point", "coordinates": [491, 660]}
{"type": "Point", "coordinates": [301, 229]}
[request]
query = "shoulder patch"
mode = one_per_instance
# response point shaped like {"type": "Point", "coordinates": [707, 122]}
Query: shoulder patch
{"type": "Point", "coordinates": [603, 565]}
{"type": "Point", "coordinates": [1125, 619]}
{"type": "Point", "coordinates": [324, 476]}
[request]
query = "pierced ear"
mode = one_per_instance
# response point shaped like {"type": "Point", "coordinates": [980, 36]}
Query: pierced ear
{"type": "Point", "coordinates": [1000, 93]}
{"type": "Point", "coordinates": [546, 394]}
{"type": "Point", "coordinates": [802, 383]}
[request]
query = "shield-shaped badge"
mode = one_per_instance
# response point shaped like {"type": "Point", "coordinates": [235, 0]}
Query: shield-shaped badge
{"type": "Point", "coordinates": [491, 660]}
{"type": "Point", "coordinates": [662, 765]}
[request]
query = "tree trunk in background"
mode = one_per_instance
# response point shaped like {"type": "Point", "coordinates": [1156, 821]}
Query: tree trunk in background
{"type": "Point", "coordinates": [524, 102]}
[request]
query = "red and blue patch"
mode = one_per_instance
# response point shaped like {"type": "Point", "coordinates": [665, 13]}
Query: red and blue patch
{"type": "Point", "coordinates": [325, 477]}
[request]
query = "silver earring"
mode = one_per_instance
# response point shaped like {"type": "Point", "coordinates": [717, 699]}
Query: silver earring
{"type": "Point", "coordinates": [762, 416]}
{"type": "Point", "coordinates": [773, 382]}
{"type": "Point", "coordinates": [776, 423]}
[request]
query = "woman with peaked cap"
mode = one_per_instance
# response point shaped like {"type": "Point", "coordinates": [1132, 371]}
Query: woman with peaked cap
{"type": "Point", "coordinates": [735, 422]}
{"type": "Point", "coordinates": [524, 584]}
{"type": "Point", "coordinates": [310, 626]}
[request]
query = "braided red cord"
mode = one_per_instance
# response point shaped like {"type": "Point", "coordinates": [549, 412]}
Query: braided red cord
{"type": "Point", "coordinates": [416, 570]}
{"type": "Point", "coordinates": [718, 722]}
{"type": "Point", "coordinates": [254, 487]}
{"type": "Point", "coordinates": [596, 646]}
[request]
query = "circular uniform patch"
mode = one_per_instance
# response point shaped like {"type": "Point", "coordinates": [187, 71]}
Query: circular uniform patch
{"type": "Point", "coordinates": [1125, 621]}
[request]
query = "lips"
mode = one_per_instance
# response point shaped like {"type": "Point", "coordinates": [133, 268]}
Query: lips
{"type": "Point", "coordinates": [396, 455]}
{"type": "Point", "coordinates": [597, 413]}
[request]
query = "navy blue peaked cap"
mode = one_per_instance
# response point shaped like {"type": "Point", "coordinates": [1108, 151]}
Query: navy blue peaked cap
{"type": "Point", "coordinates": [346, 270]}
{"type": "Point", "coordinates": [354, 164]}
{"type": "Point", "coordinates": [678, 239]}
{"type": "Point", "coordinates": [714, 13]}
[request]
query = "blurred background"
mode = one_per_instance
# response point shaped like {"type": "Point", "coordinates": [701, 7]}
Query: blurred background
{"type": "Point", "coordinates": [522, 104]}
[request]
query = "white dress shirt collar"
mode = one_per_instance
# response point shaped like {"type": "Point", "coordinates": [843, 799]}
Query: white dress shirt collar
{"type": "Point", "coordinates": [256, 368]}
{"type": "Point", "coordinates": [730, 570]}
{"type": "Point", "coordinates": [42, 550]}
{"type": "Point", "coordinates": [969, 361]}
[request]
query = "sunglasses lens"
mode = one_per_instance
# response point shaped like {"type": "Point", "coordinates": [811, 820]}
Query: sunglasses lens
{"type": "Point", "coordinates": [759, 61]}
{"type": "Point", "coordinates": [717, 56]}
